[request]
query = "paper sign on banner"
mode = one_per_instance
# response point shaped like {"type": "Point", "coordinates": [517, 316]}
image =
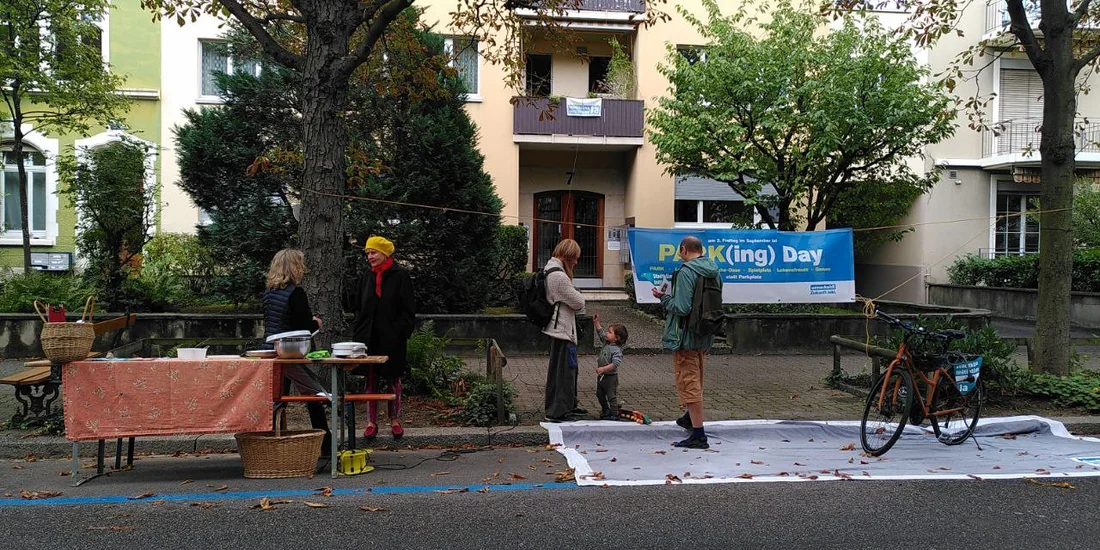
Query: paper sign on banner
{"type": "Point", "coordinates": [586, 107]}
{"type": "Point", "coordinates": [756, 266]}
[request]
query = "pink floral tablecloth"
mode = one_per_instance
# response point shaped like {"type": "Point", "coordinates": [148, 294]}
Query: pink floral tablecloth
{"type": "Point", "coordinates": [122, 398]}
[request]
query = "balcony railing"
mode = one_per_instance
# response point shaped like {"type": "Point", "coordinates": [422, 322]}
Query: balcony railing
{"type": "Point", "coordinates": [633, 6]}
{"type": "Point", "coordinates": [1017, 136]}
{"type": "Point", "coordinates": [997, 19]}
{"type": "Point", "coordinates": [618, 118]}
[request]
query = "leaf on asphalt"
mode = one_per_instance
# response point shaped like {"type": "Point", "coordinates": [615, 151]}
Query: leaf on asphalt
{"type": "Point", "coordinates": [38, 495]}
{"type": "Point", "coordinates": [372, 508]}
{"type": "Point", "coordinates": [563, 476]}
{"type": "Point", "coordinates": [757, 461]}
{"type": "Point", "coordinates": [158, 502]}
{"type": "Point", "coordinates": [605, 486]}
{"type": "Point", "coordinates": [545, 460]}
{"type": "Point", "coordinates": [794, 396]}
{"type": "Point", "coordinates": [672, 478]}
{"type": "Point", "coordinates": [972, 476]}
{"type": "Point", "coordinates": [17, 467]}
{"type": "Point", "coordinates": [595, 475]}
{"type": "Point", "coordinates": [30, 458]}
{"type": "Point", "coordinates": [220, 487]}
{"type": "Point", "coordinates": [512, 476]}
{"type": "Point", "coordinates": [204, 505]}
{"type": "Point", "coordinates": [745, 476]}
{"type": "Point", "coordinates": [315, 504]}
{"type": "Point", "coordinates": [500, 460]}
{"type": "Point", "coordinates": [324, 491]}
{"type": "Point", "coordinates": [453, 490]}
{"type": "Point", "coordinates": [1062, 485]}
{"type": "Point", "coordinates": [533, 468]}
{"type": "Point", "coordinates": [141, 496]}
{"type": "Point", "coordinates": [849, 447]}
{"type": "Point", "coordinates": [484, 489]}
{"type": "Point", "coordinates": [433, 474]}
{"type": "Point", "coordinates": [112, 528]}
{"type": "Point", "coordinates": [185, 482]}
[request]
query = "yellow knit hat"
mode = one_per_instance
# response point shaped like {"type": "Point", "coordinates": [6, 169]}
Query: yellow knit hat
{"type": "Point", "coordinates": [380, 244]}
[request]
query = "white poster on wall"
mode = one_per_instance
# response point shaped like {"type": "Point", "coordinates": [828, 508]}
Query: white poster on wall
{"type": "Point", "coordinates": [586, 106]}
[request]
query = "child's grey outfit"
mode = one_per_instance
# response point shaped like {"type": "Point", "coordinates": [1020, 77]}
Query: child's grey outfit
{"type": "Point", "coordinates": [607, 384]}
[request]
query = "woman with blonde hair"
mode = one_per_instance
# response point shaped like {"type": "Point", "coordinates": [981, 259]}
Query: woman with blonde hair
{"type": "Point", "coordinates": [561, 375]}
{"type": "Point", "coordinates": [286, 308]}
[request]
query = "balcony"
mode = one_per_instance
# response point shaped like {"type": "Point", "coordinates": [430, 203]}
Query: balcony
{"type": "Point", "coordinates": [619, 123]}
{"type": "Point", "coordinates": [629, 6]}
{"type": "Point", "coordinates": [997, 20]}
{"type": "Point", "coordinates": [1019, 139]}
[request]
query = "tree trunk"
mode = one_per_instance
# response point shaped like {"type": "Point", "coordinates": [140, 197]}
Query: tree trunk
{"type": "Point", "coordinates": [321, 217]}
{"type": "Point", "coordinates": [17, 151]}
{"type": "Point", "coordinates": [1052, 337]}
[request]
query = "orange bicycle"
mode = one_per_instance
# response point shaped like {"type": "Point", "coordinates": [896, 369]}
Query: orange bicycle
{"type": "Point", "coordinates": [944, 387]}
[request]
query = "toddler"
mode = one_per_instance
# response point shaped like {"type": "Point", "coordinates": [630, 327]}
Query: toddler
{"type": "Point", "coordinates": [607, 368]}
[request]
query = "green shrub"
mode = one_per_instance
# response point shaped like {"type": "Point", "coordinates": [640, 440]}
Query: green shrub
{"type": "Point", "coordinates": [19, 291]}
{"type": "Point", "coordinates": [431, 370]}
{"type": "Point", "coordinates": [479, 405]}
{"type": "Point", "coordinates": [1079, 389]}
{"type": "Point", "coordinates": [1016, 271]}
{"type": "Point", "coordinates": [511, 263]}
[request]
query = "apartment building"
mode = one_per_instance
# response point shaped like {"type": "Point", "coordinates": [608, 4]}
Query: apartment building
{"type": "Point", "coordinates": [130, 43]}
{"type": "Point", "coordinates": [987, 175]}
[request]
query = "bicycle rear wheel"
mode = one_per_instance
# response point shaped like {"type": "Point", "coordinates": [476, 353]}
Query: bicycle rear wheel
{"type": "Point", "coordinates": [954, 415]}
{"type": "Point", "coordinates": [884, 416]}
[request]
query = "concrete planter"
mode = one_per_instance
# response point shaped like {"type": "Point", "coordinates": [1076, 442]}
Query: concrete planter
{"type": "Point", "coordinates": [19, 332]}
{"type": "Point", "coordinates": [1015, 303]}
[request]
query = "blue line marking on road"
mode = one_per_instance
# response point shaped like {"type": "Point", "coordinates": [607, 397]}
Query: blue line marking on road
{"type": "Point", "coordinates": [284, 493]}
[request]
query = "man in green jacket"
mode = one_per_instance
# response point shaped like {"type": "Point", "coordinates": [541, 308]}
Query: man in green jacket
{"type": "Point", "coordinates": [689, 350]}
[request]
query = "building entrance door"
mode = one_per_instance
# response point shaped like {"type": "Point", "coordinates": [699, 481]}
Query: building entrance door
{"type": "Point", "coordinates": [576, 215]}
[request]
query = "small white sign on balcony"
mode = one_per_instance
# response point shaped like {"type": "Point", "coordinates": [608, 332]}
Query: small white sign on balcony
{"type": "Point", "coordinates": [584, 106]}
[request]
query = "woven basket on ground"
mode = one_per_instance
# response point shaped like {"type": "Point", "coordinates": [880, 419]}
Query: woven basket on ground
{"type": "Point", "coordinates": [67, 342]}
{"type": "Point", "coordinates": [268, 455]}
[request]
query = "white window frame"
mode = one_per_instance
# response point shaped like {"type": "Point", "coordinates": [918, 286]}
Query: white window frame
{"type": "Point", "coordinates": [229, 69]}
{"type": "Point", "coordinates": [49, 147]}
{"type": "Point", "coordinates": [449, 48]}
{"type": "Point", "coordinates": [699, 224]}
{"type": "Point", "coordinates": [104, 24]}
{"type": "Point", "coordinates": [999, 185]}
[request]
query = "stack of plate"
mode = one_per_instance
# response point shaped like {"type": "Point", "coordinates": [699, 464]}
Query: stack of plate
{"type": "Point", "coordinates": [349, 349]}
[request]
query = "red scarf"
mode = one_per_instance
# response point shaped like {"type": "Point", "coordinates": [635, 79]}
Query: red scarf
{"type": "Point", "coordinates": [378, 271]}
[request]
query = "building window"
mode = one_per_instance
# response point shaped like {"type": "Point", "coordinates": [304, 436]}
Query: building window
{"type": "Point", "coordinates": [35, 164]}
{"type": "Point", "coordinates": [538, 75]}
{"type": "Point", "coordinates": [597, 74]}
{"type": "Point", "coordinates": [464, 58]}
{"type": "Point", "coordinates": [1017, 232]}
{"type": "Point", "coordinates": [214, 60]}
{"type": "Point", "coordinates": [693, 54]}
{"type": "Point", "coordinates": [717, 212]}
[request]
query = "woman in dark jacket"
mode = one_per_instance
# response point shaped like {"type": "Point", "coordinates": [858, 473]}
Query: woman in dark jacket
{"type": "Point", "coordinates": [385, 313]}
{"type": "Point", "coordinates": [286, 308]}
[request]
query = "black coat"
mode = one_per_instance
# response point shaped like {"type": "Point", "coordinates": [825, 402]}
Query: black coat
{"type": "Point", "coordinates": [385, 322]}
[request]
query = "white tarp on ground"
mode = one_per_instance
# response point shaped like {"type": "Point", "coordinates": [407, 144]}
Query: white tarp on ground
{"type": "Point", "coordinates": [622, 453]}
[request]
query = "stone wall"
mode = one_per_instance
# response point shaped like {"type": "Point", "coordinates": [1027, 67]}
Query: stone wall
{"type": "Point", "coordinates": [1015, 303]}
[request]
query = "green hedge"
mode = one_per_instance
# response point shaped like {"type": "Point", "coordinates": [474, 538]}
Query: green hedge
{"type": "Point", "coordinates": [1022, 271]}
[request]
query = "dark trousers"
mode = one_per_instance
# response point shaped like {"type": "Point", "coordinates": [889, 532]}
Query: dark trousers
{"type": "Point", "coordinates": [607, 393]}
{"type": "Point", "coordinates": [561, 379]}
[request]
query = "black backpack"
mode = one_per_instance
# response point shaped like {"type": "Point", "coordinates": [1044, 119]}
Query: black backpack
{"type": "Point", "coordinates": [706, 317]}
{"type": "Point", "coordinates": [535, 306]}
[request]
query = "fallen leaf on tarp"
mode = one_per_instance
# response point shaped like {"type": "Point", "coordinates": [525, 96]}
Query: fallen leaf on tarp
{"type": "Point", "coordinates": [783, 474]}
{"type": "Point", "coordinates": [563, 476]}
{"type": "Point", "coordinates": [324, 491]}
{"type": "Point", "coordinates": [996, 467]}
{"type": "Point", "coordinates": [185, 482]}
{"type": "Point", "coordinates": [972, 476]}
{"type": "Point", "coordinates": [38, 495]}
{"type": "Point", "coordinates": [594, 475]}
{"type": "Point", "coordinates": [453, 491]}
{"type": "Point", "coordinates": [1022, 453]}
{"type": "Point", "coordinates": [1062, 485]}
{"type": "Point", "coordinates": [433, 474]}
{"type": "Point", "coordinates": [670, 478]}
{"type": "Point", "coordinates": [866, 474]}
{"type": "Point", "coordinates": [851, 460]}
{"type": "Point", "coordinates": [757, 461]}
{"type": "Point", "coordinates": [613, 459]}
{"type": "Point", "coordinates": [601, 450]}
{"type": "Point", "coordinates": [112, 528]}
{"type": "Point", "coordinates": [141, 496]}
{"type": "Point", "coordinates": [745, 476]}
{"type": "Point", "coordinates": [1042, 472]}
{"type": "Point", "coordinates": [659, 452]}
{"type": "Point", "coordinates": [799, 464]}
{"type": "Point", "coordinates": [842, 475]}
{"type": "Point", "coordinates": [372, 508]}
{"type": "Point", "coordinates": [864, 462]}
{"type": "Point", "coordinates": [484, 489]}
{"type": "Point", "coordinates": [316, 504]}
{"type": "Point", "coordinates": [849, 447]}
{"type": "Point", "coordinates": [1008, 436]}
{"type": "Point", "coordinates": [550, 447]}
{"type": "Point", "coordinates": [687, 474]}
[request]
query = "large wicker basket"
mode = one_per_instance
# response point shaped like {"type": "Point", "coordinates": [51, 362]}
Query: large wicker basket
{"type": "Point", "coordinates": [67, 342]}
{"type": "Point", "coordinates": [269, 455]}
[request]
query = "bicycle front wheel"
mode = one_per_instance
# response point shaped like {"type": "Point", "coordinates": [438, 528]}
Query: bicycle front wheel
{"type": "Point", "coordinates": [886, 412]}
{"type": "Point", "coordinates": [954, 415]}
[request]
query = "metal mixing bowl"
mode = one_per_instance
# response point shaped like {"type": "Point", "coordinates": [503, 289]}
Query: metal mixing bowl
{"type": "Point", "coordinates": [292, 348]}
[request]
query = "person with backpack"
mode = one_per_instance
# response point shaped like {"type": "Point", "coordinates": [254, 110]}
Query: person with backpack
{"type": "Point", "coordinates": [561, 375]}
{"type": "Point", "coordinates": [690, 324]}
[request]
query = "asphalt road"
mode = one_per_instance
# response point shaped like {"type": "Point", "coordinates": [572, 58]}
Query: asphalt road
{"type": "Point", "coordinates": [424, 506]}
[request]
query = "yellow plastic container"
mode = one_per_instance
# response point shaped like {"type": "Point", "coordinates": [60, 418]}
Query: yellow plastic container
{"type": "Point", "coordinates": [354, 462]}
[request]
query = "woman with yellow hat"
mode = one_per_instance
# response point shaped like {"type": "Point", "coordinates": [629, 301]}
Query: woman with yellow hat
{"type": "Point", "coordinates": [385, 315]}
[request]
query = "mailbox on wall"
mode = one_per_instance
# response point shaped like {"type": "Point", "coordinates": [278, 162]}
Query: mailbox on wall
{"type": "Point", "coordinates": [52, 261]}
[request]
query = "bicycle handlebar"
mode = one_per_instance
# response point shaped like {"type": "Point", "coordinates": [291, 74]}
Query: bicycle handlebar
{"type": "Point", "coordinates": [944, 335]}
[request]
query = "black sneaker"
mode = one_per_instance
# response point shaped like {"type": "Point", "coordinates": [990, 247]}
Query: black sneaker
{"type": "Point", "coordinates": [693, 442]}
{"type": "Point", "coordinates": [579, 411]}
{"type": "Point", "coordinates": [609, 417]}
{"type": "Point", "coordinates": [684, 421]}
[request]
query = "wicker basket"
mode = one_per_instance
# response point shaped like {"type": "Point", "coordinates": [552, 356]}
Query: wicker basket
{"type": "Point", "coordinates": [268, 455]}
{"type": "Point", "coordinates": [67, 342]}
